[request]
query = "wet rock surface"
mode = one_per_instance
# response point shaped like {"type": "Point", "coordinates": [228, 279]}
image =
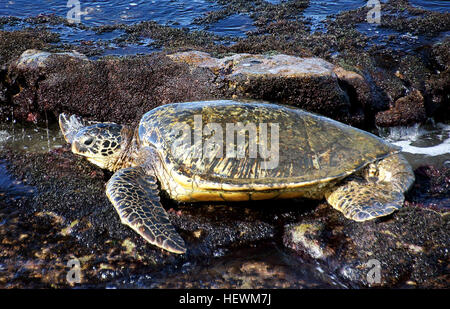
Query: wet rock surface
{"type": "Point", "coordinates": [67, 215]}
{"type": "Point", "coordinates": [397, 73]}
{"type": "Point", "coordinates": [13, 44]}
{"type": "Point", "coordinates": [437, 87]}
{"type": "Point", "coordinates": [407, 110]}
{"type": "Point", "coordinates": [411, 247]}
{"type": "Point", "coordinates": [113, 89]}
{"type": "Point", "coordinates": [122, 90]}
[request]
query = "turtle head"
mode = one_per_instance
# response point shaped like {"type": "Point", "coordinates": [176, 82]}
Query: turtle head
{"type": "Point", "coordinates": [100, 143]}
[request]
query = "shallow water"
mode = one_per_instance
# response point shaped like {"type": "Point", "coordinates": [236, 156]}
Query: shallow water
{"type": "Point", "coordinates": [175, 13]}
{"type": "Point", "coordinates": [97, 13]}
{"type": "Point", "coordinates": [235, 25]}
{"type": "Point", "coordinates": [318, 10]}
{"type": "Point", "coordinates": [435, 5]}
{"type": "Point", "coordinates": [10, 188]}
{"type": "Point", "coordinates": [30, 138]}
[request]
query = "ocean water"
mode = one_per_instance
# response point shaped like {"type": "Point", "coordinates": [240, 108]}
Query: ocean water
{"type": "Point", "coordinates": [319, 9]}
{"type": "Point", "coordinates": [425, 144]}
{"type": "Point", "coordinates": [177, 13]}
{"type": "Point", "coordinates": [181, 12]}
{"type": "Point", "coordinates": [434, 5]}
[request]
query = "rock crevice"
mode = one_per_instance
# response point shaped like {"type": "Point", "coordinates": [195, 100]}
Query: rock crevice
{"type": "Point", "coordinates": [122, 89]}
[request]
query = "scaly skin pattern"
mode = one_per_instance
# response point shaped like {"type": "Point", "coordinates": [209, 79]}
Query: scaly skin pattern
{"type": "Point", "coordinates": [359, 174]}
{"type": "Point", "coordinates": [374, 194]}
{"type": "Point", "coordinates": [135, 196]}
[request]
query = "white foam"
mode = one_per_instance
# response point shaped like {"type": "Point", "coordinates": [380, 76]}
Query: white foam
{"type": "Point", "coordinates": [394, 134]}
{"type": "Point", "coordinates": [406, 136]}
{"type": "Point", "coordinates": [441, 149]}
{"type": "Point", "coordinates": [4, 136]}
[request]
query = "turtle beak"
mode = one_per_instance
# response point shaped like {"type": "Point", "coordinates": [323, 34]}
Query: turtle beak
{"type": "Point", "coordinates": [63, 125]}
{"type": "Point", "coordinates": [69, 126]}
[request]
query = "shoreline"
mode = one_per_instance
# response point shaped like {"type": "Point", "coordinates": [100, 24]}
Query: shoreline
{"type": "Point", "coordinates": [397, 77]}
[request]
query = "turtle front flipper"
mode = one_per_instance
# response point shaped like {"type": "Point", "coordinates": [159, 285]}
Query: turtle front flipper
{"type": "Point", "coordinates": [135, 196]}
{"type": "Point", "coordinates": [378, 193]}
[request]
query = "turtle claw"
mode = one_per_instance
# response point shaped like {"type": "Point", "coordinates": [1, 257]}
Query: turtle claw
{"type": "Point", "coordinates": [175, 245]}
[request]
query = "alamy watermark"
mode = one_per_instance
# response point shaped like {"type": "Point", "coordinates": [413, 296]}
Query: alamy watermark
{"type": "Point", "coordinates": [374, 274]}
{"type": "Point", "coordinates": [74, 14]}
{"type": "Point", "coordinates": [74, 274]}
{"type": "Point", "coordinates": [236, 140]}
{"type": "Point", "coordinates": [374, 14]}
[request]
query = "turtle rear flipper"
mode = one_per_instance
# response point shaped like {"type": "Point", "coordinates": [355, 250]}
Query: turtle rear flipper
{"type": "Point", "coordinates": [134, 194]}
{"type": "Point", "coordinates": [379, 194]}
{"type": "Point", "coordinates": [361, 201]}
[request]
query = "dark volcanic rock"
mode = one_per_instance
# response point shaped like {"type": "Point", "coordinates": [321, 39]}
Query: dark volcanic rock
{"type": "Point", "coordinates": [68, 215]}
{"type": "Point", "coordinates": [405, 111]}
{"type": "Point", "coordinates": [308, 83]}
{"type": "Point", "coordinates": [441, 54]}
{"type": "Point", "coordinates": [432, 188]}
{"type": "Point", "coordinates": [122, 89]}
{"type": "Point", "coordinates": [3, 86]}
{"type": "Point", "coordinates": [12, 44]}
{"type": "Point", "coordinates": [437, 87]}
{"type": "Point", "coordinates": [438, 96]}
{"type": "Point", "coordinates": [113, 89]}
{"type": "Point", "coordinates": [410, 246]}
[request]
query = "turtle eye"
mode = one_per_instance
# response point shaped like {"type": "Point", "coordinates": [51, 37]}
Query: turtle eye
{"type": "Point", "coordinates": [88, 141]}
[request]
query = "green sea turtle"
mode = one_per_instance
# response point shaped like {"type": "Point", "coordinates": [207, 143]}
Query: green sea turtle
{"type": "Point", "coordinates": [190, 151]}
